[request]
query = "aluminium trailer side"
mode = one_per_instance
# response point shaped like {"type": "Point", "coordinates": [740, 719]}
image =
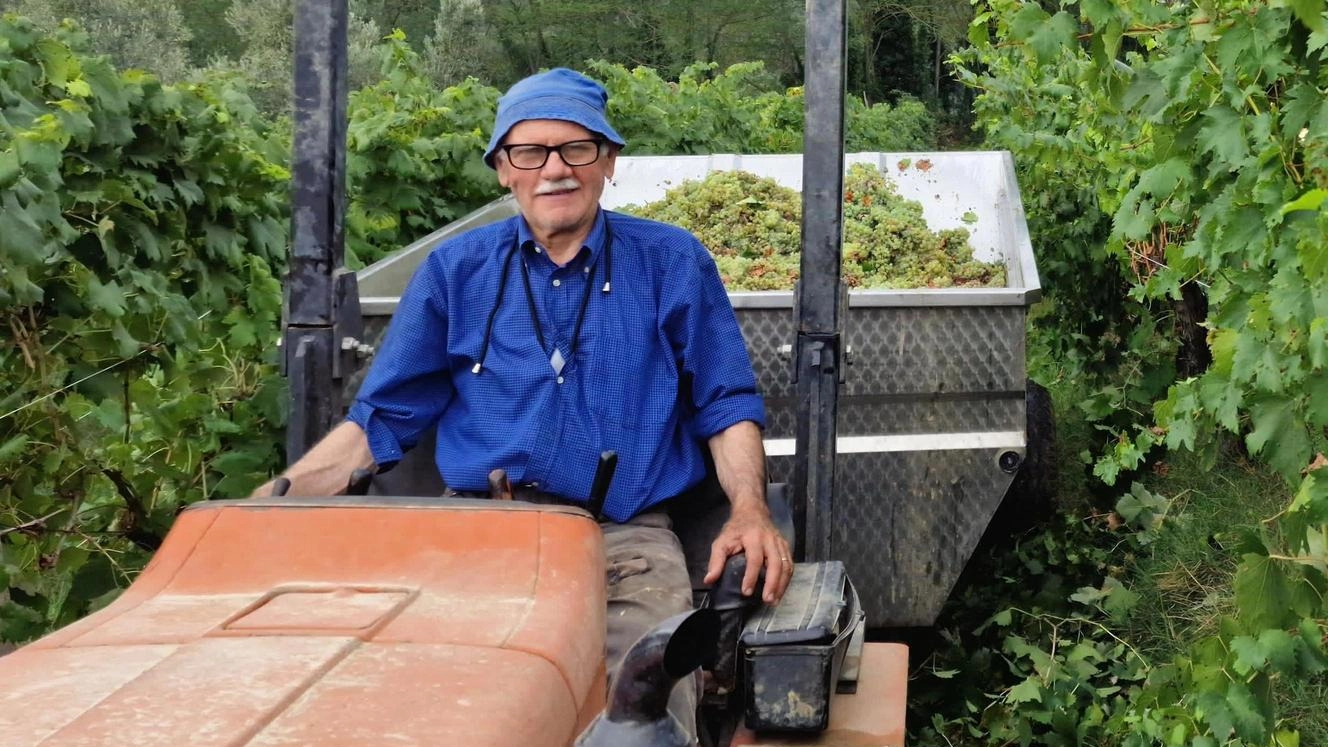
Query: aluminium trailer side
{"type": "Point", "coordinates": [931, 422]}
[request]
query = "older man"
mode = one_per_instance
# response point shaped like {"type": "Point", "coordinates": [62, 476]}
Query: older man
{"type": "Point", "coordinates": [538, 342]}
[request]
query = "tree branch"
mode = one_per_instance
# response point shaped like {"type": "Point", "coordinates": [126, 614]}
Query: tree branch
{"type": "Point", "coordinates": [38, 523]}
{"type": "Point", "coordinates": [138, 515]}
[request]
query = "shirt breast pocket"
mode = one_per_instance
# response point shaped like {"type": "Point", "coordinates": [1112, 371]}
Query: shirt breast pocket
{"type": "Point", "coordinates": [632, 381]}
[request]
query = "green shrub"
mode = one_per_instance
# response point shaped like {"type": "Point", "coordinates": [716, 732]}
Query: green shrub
{"type": "Point", "coordinates": [141, 233]}
{"type": "Point", "coordinates": [736, 111]}
{"type": "Point", "coordinates": [414, 155]}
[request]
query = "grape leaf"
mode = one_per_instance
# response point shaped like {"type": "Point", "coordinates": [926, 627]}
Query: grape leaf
{"type": "Point", "coordinates": [1316, 343]}
{"type": "Point", "coordinates": [13, 447]}
{"type": "Point", "coordinates": [1223, 136]}
{"type": "Point", "coordinates": [1272, 593]}
{"type": "Point", "coordinates": [1028, 691]}
{"type": "Point", "coordinates": [1300, 107]}
{"type": "Point", "coordinates": [1309, 13]}
{"type": "Point", "coordinates": [1311, 200]}
{"type": "Point", "coordinates": [107, 297]}
{"type": "Point", "coordinates": [1054, 35]}
{"type": "Point", "coordinates": [1162, 179]}
{"type": "Point", "coordinates": [1318, 40]}
{"type": "Point", "coordinates": [20, 238]}
{"type": "Point", "coordinates": [1251, 725]}
{"type": "Point", "coordinates": [1316, 390]}
{"type": "Point", "coordinates": [57, 62]}
{"type": "Point", "coordinates": [1280, 649]}
{"type": "Point", "coordinates": [1250, 656]}
{"type": "Point", "coordinates": [1277, 424]}
{"type": "Point", "coordinates": [1212, 708]}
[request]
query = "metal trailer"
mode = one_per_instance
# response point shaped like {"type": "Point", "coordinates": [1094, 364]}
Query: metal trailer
{"type": "Point", "coordinates": [932, 418]}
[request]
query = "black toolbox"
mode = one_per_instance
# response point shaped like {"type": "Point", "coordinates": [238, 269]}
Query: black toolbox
{"type": "Point", "coordinates": [794, 653]}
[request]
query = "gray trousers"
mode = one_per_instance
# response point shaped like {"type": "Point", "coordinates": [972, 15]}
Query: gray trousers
{"type": "Point", "coordinates": [647, 581]}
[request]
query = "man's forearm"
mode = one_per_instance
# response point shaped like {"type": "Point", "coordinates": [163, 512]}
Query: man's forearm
{"type": "Point", "coordinates": [325, 469]}
{"type": "Point", "coordinates": [740, 465]}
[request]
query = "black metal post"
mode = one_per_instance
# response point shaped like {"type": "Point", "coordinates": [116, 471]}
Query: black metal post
{"type": "Point", "coordinates": [818, 353]}
{"type": "Point", "coordinates": [315, 280]}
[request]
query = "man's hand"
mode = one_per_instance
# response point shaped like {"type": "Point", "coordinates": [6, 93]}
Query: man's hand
{"type": "Point", "coordinates": [326, 468]}
{"type": "Point", "coordinates": [749, 530]}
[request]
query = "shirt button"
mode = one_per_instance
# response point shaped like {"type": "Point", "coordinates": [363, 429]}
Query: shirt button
{"type": "Point", "coordinates": [586, 270]}
{"type": "Point", "coordinates": [557, 283]}
{"type": "Point", "coordinates": [560, 379]}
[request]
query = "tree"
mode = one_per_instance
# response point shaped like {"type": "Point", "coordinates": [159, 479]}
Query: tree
{"type": "Point", "coordinates": [503, 40]}
{"type": "Point", "coordinates": [212, 37]}
{"type": "Point", "coordinates": [145, 34]}
{"type": "Point", "coordinates": [463, 45]}
{"type": "Point", "coordinates": [414, 17]}
{"type": "Point", "coordinates": [901, 45]}
{"type": "Point", "coordinates": [266, 63]}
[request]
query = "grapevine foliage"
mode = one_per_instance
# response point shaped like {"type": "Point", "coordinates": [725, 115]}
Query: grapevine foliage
{"type": "Point", "coordinates": [736, 111]}
{"type": "Point", "coordinates": [751, 226]}
{"type": "Point", "coordinates": [141, 232]}
{"type": "Point", "coordinates": [414, 154]}
{"type": "Point", "coordinates": [1187, 145]}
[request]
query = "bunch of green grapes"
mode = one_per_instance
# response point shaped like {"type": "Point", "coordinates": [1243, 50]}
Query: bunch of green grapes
{"type": "Point", "coordinates": [751, 225]}
{"type": "Point", "coordinates": [887, 243]}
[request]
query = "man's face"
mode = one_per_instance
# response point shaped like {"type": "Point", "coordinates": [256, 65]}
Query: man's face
{"type": "Point", "coordinates": [556, 199]}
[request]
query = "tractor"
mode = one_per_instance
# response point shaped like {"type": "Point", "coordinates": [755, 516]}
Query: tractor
{"type": "Point", "coordinates": [390, 615]}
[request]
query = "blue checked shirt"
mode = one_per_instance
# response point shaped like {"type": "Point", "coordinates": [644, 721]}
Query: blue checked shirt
{"type": "Point", "coordinates": [660, 365]}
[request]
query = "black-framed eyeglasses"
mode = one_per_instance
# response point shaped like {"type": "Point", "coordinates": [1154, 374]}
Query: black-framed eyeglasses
{"type": "Point", "coordinates": [529, 157]}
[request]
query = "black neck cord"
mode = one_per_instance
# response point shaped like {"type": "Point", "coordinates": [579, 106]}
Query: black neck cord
{"type": "Point", "coordinates": [530, 298]}
{"type": "Point", "coordinates": [534, 313]}
{"type": "Point", "coordinates": [497, 304]}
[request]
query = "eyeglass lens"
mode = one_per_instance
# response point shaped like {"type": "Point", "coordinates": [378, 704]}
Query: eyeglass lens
{"type": "Point", "coordinates": [574, 153]}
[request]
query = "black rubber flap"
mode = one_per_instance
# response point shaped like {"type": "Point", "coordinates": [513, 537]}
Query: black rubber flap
{"type": "Point", "coordinates": [812, 608]}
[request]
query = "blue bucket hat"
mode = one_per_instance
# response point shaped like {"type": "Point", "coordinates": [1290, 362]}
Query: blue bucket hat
{"type": "Point", "coordinates": [556, 94]}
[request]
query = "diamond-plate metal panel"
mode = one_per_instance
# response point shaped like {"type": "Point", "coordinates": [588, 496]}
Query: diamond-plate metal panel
{"type": "Point", "coordinates": [914, 369]}
{"type": "Point", "coordinates": [765, 330]}
{"type": "Point", "coordinates": [903, 350]}
{"type": "Point", "coordinates": [906, 523]}
{"type": "Point", "coordinates": [943, 349]}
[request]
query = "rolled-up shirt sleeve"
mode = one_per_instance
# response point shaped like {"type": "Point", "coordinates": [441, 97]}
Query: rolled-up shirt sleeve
{"type": "Point", "coordinates": [409, 382]}
{"type": "Point", "coordinates": [708, 341]}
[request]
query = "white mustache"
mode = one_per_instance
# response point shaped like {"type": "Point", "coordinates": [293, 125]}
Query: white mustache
{"type": "Point", "coordinates": [557, 186]}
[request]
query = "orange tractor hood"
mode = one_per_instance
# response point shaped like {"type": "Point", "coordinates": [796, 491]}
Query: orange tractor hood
{"type": "Point", "coordinates": [333, 621]}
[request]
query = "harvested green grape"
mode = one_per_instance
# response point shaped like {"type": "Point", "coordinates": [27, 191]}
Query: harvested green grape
{"type": "Point", "coordinates": [751, 225]}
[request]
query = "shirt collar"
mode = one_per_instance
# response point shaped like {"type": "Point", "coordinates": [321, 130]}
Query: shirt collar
{"type": "Point", "coordinates": [590, 251]}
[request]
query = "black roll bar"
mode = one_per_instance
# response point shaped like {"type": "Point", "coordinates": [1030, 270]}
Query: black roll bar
{"type": "Point", "coordinates": [321, 306]}
{"type": "Point", "coordinates": [818, 353]}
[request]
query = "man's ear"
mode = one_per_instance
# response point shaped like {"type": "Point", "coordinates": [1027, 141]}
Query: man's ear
{"type": "Point", "coordinates": [501, 166]}
{"type": "Point", "coordinates": [610, 160]}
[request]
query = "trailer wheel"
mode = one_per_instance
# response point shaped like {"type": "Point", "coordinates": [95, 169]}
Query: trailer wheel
{"type": "Point", "coordinates": [1032, 495]}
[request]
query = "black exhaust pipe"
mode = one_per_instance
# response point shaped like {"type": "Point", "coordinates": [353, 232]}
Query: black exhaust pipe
{"type": "Point", "coordinates": [637, 712]}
